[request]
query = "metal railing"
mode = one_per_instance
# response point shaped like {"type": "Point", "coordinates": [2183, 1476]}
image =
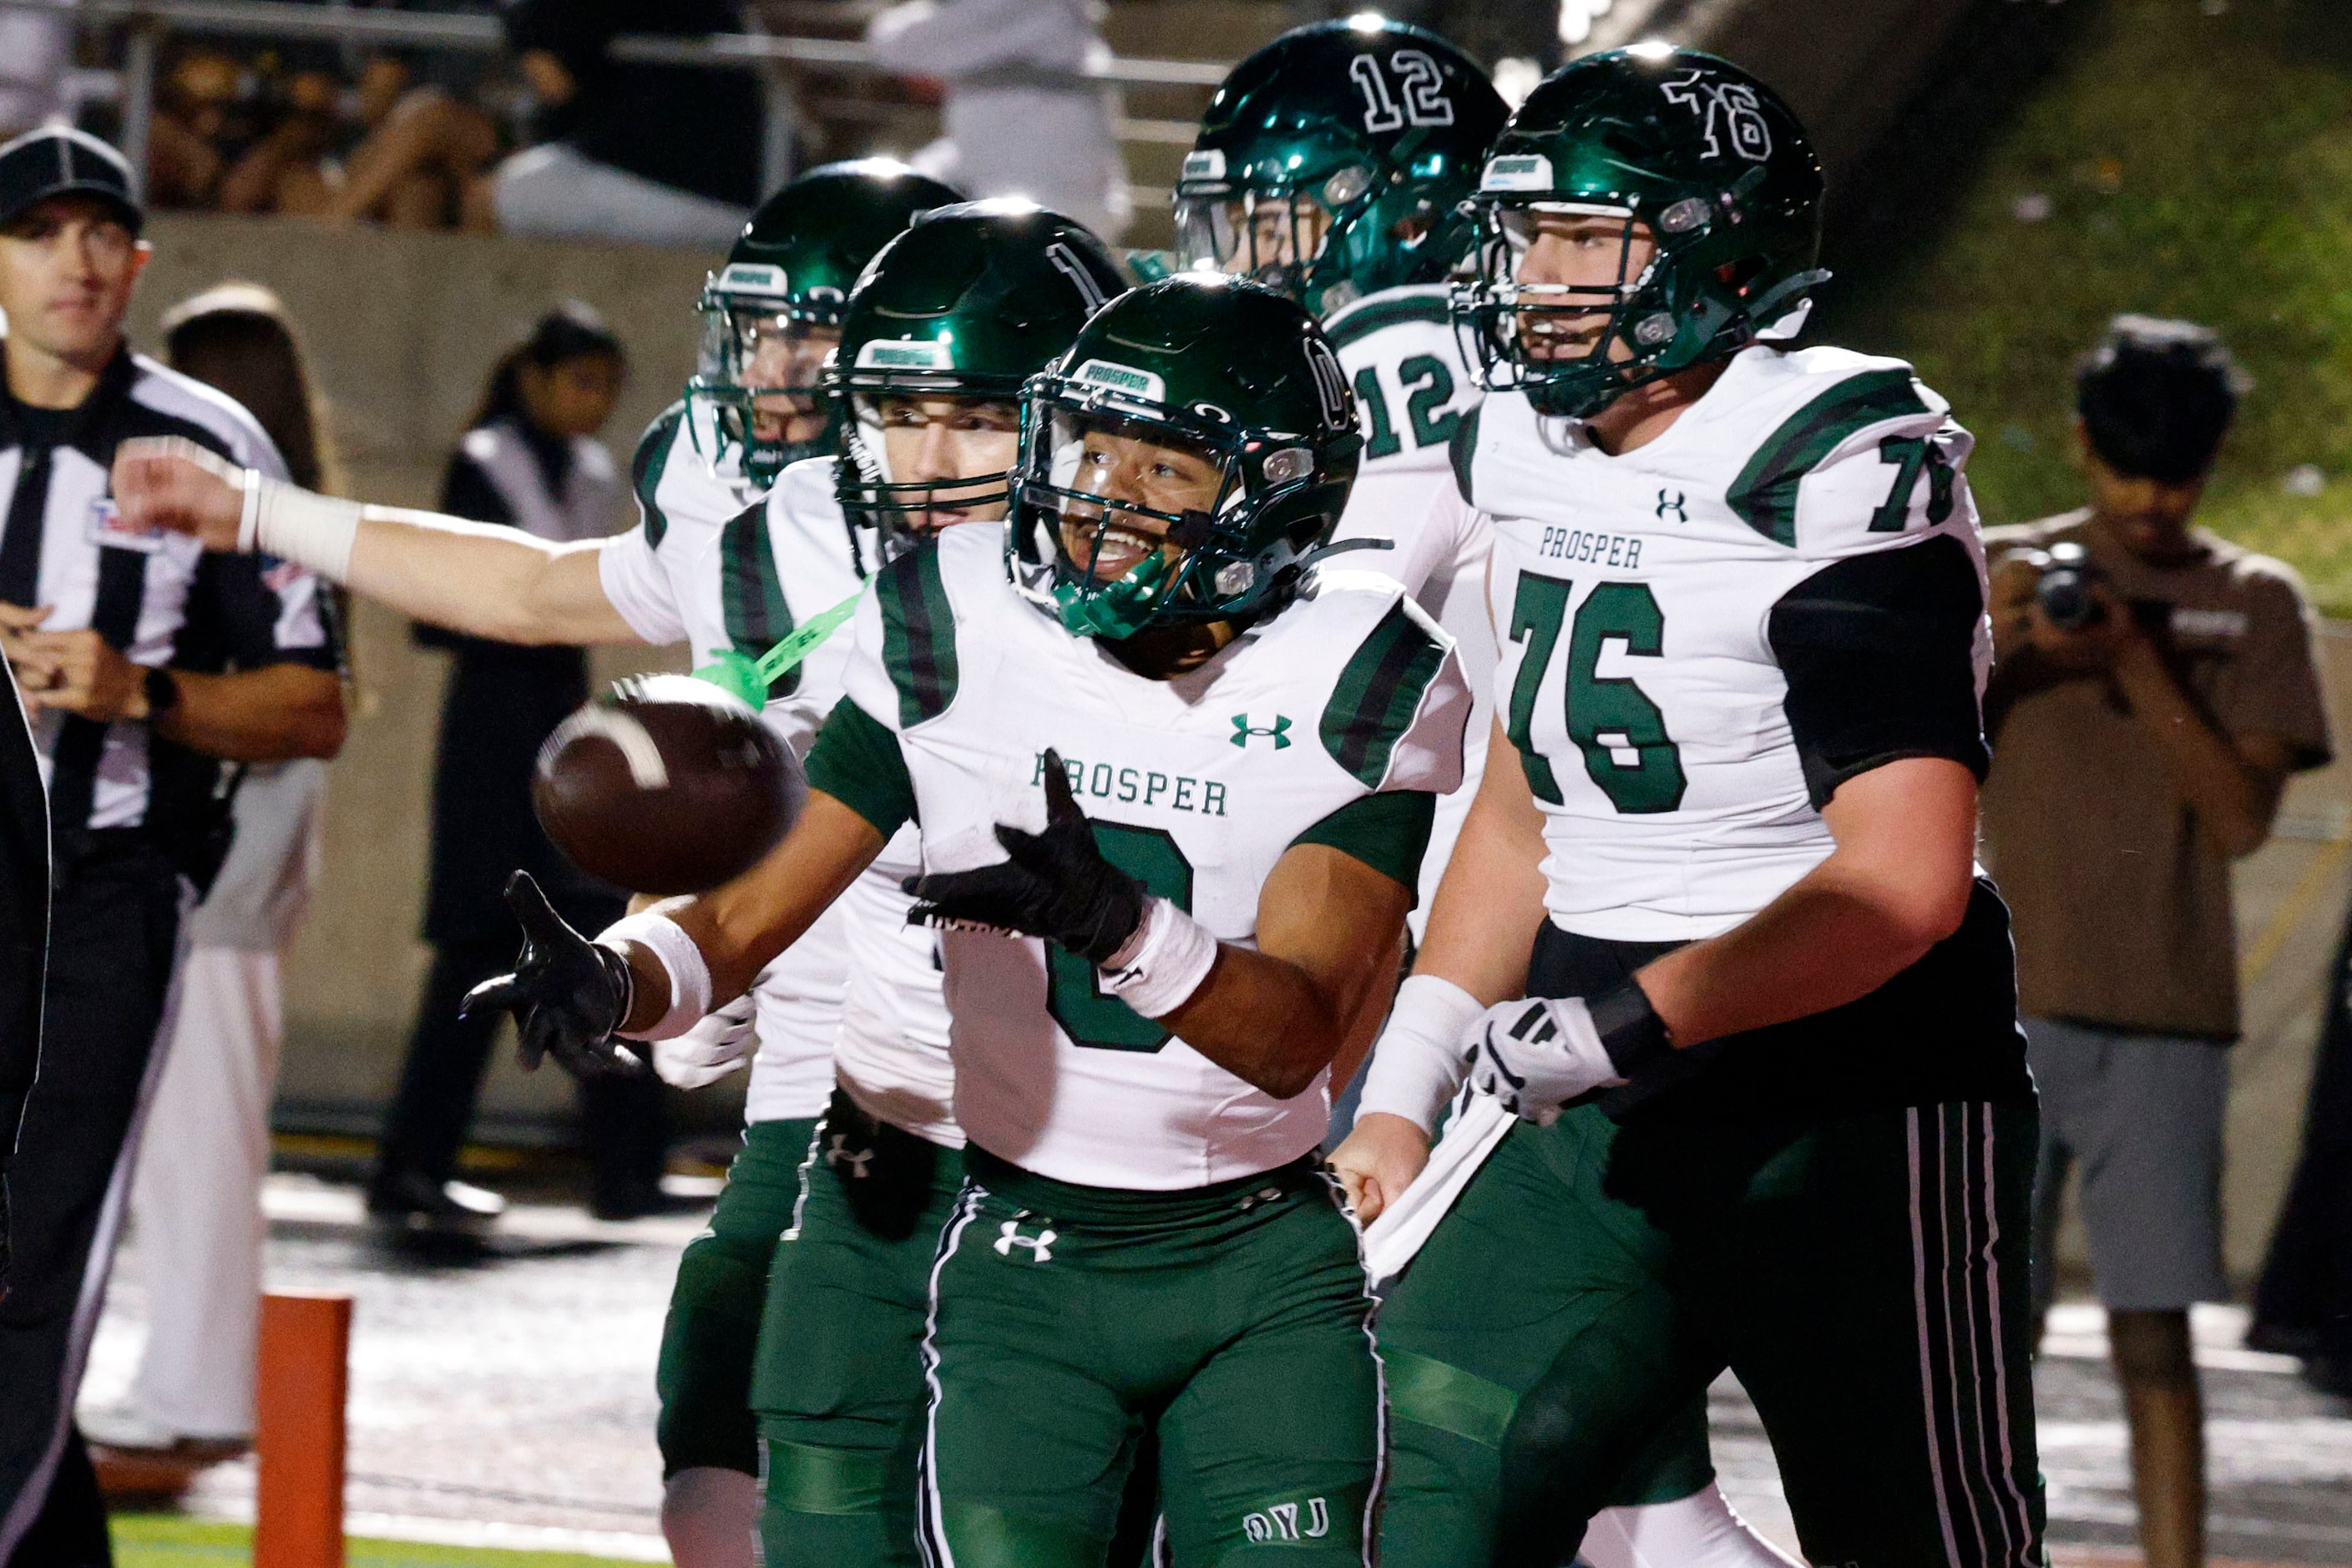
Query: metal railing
{"type": "Point", "coordinates": [148, 21]}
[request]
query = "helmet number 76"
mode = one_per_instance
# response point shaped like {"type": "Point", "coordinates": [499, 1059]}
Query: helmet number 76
{"type": "Point", "coordinates": [1421, 87]}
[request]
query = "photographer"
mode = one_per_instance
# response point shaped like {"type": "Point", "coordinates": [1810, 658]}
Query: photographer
{"type": "Point", "coordinates": [2153, 689]}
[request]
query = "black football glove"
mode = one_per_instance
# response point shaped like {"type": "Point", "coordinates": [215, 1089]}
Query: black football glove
{"type": "Point", "coordinates": [567, 993]}
{"type": "Point", "coordinates": [1054, 884]}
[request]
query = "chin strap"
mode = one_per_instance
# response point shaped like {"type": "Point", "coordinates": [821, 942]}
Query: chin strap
{"type": "Point", "coordinates": [1341, 547]}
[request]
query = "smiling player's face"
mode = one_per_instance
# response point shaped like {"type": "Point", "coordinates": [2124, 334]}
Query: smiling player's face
{"type": "Point", "coordinates": [1126, 466]}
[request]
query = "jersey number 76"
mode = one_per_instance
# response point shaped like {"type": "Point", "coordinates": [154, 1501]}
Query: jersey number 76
{"type": "Point", "coordinates": [1627, 751]}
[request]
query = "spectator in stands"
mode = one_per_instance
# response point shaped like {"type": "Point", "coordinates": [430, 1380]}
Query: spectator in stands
{"type": "Point", "coordinates": [660, 155]}
{"type": "Point", "coordinates": [529, 461]}
{"type": "Point", "coordinates": [196, 1197]}
{"type": "Point", "coordinates": [1022, 118]}
{"type": "Point", "coordinates": [33, 53]}
{"type": "Point", "coordinates": [2142, 732]}
{"type": "Point", "coordinates": [202, 121]}
{"type": "Point", "coordinates": [406, 157]}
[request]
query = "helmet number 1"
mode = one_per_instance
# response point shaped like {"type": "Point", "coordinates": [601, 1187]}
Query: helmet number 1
{"type": "Point", "coordinates": [1621, 732]}
{"type": "Point", "coordinates": [1418, 98]}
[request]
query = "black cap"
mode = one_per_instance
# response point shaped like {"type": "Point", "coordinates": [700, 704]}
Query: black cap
{"type": "Point", "coordinates": [58, 161]}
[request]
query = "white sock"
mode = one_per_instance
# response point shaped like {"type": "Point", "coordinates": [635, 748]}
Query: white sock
{"type": "Point", "coordinates": [1697, 1532]}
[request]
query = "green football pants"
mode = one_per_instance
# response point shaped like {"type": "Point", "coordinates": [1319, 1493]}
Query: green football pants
{"type": "Point", "coordinates": [1231, 1321]}
{"type": "Point", "coordinates": [1865, 1278]}
{"type": "Point", "coordinates": [709, 1339]}
{"type": "Point", "coordinates": [840, 1390]}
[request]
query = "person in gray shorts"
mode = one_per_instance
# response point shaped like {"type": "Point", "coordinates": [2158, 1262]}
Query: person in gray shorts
{"type": "Point", "coordinates": [2153, 689]}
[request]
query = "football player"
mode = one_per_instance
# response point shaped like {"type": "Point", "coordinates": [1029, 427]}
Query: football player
{"type": "Point", "coordinates": [1148, 989]}
{"type": "Point", "coordinates": [936, 342]}
{"type": "Point", "coordinates": [1334, 164]}
{"type": "Point", "coordinates": [770, 317]}
{"type": "Point", "coordinates": [939, 335]}
{"type": "Point", "coordinates": [1738, 1018]}
{"type": "Point", "coordinates": [700, 568]}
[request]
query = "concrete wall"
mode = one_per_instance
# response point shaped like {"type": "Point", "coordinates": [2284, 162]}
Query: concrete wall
{"type": "Point", "coordinates": [401, 329]}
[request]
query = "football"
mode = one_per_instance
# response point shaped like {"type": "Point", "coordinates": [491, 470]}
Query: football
{"type": "Point", "coordinates": [665, 784]}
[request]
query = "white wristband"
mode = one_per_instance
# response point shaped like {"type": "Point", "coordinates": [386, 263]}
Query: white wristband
{"type": "Point", "coordinates": [1163, 962]}
{"type": "Point", "coordinates": [1418, 1062]}
{"type": "Point", "coordinates": [248, 520]}
{"type": "Point", "coordinates": [689, 976]}
{"type": "Point", "coordinates": [291, 523]}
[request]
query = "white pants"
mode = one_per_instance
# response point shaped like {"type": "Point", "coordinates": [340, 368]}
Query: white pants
{"type": "Point", "coordinates": [555, 192]}
{"type": "Point", "coordinates": [196, 1198]}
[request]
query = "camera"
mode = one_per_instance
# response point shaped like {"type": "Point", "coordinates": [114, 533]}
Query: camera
{"type": "Point", "coordinates": [2064, 590]}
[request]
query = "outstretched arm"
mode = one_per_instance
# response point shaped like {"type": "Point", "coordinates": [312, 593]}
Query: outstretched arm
{"type": "Point", "coordinates": [654, 974]}
{"type": "Point", "coordinates": [472, 577]}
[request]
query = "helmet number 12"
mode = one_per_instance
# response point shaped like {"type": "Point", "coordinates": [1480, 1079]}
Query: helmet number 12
{"type": "Point", "coordinates": [1418, 98]}
{"type": "Point", "coordinates": [1621, 732]}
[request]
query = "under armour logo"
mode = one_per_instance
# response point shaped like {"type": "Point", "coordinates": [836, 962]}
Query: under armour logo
{"type": "Point", "coordinates": [1280, 1523]}
{"type": "Point", "coordinates": [1040, 1246]}
{"type": "Point", "coordinates": [1725, 109]}
{"type": "Point", "coordinates": [839, 1152]}
{"type": "Point", "coordinates": [1244, 730]}
{"type": "Point", "coordinates": [1672, 501]}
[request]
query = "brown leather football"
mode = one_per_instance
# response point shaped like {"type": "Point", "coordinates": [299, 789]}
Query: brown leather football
{"type": "Point", "coordinates": [665, 784]}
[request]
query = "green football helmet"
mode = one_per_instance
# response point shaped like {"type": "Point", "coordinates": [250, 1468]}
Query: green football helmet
{"type": "Point", "coordinates": [789, 276]}
{"type": "Point", "coordinates": [1369, 130]}
{"type": "Point", "coordinates": [1184, 461]}
{"type": "Point", "coordinates": [1701, 156]}
{"type": "Point", "coordinates": [969, 302]}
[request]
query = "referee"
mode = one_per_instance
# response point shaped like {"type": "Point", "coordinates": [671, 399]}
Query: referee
{"type": "Point", "coordinates": [145, 664]}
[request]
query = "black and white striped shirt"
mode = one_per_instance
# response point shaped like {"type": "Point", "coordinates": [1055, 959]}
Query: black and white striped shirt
{"type": "Point", "coordinates": [157, 597]}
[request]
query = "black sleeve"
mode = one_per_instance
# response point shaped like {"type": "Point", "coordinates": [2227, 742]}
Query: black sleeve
{"type": "Point", "coordinates": [1879, 653]}
{"type": "Point", "coordinates": [24, 911]}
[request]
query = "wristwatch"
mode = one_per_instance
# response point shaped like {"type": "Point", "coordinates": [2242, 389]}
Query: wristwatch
{"type": "Point", "coordinates": [162, 692]}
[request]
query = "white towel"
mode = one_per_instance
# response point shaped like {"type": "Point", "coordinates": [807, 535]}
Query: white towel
{"type": "Point", "coordinates": [1391, 1241]}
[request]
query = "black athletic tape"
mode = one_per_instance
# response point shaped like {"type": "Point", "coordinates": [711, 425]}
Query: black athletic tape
{"type": "Point", "coordinates": [1630, 1030]}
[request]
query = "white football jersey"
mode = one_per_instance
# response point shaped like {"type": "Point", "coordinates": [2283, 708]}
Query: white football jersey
{"type": "Point", "coordinates": [688, 481]}
{"type": "Point", "coordinates": [1635, 598]}
{"type": "Point", "coordinates": [1196, 785]}
{"type": "Point", "coordinates": [744, 582]}
{"type": "Point", "coordinates": [1412, 392]}
{"type": "Point", "coordinates": [867, 992]}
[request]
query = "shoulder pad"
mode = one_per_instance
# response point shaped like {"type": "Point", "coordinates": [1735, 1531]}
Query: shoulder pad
{"type": "Point", "coordinates": [918, 641]}
{"type": "Point", "coordinates": [1462, 449]}
{"type": "Point", "coordinates": [1384, 310]}
{"type": "Point", "coordinates": [1765, 493]}
{"type": "Point", "coordinates": [750, 594]}
{"type": "Point", "coordinates": [646, 468]}
{"type": "Point", "coordinates": [1380, 689]}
